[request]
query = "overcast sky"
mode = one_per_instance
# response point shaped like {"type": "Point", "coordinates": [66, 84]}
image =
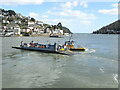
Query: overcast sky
{"type": "Point", "coordinates": [78, 16]}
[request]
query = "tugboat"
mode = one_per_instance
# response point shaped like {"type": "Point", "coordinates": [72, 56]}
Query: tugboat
{"type": "Point", "coordinates": [47, 48]}
{"type": "Point", "coordinates": [70, 45]}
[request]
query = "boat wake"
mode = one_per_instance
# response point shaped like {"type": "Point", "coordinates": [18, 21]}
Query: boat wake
{"type": "Point", "coordinates": [115, 77]}
{"type": "Point", "coordinates": [90, 50]}
{"type": "Point", "coordinates": [87, 51]}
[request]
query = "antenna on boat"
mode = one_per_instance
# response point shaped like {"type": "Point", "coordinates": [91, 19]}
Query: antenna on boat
{"type": "Point", "coordinates": [70, 37]}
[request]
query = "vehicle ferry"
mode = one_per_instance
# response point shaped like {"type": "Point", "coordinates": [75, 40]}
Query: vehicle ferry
{"type": "Point", "coordinates": [55, 48]}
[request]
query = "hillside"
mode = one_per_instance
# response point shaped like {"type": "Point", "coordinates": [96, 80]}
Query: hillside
{"type": "Point", "coordinates": [113, 28]}
{"type": "Point", "coordinates": [12, 20]}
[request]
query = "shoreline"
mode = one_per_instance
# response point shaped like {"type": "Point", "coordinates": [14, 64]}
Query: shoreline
{"type": "Point", "coordinates": [33, 35]}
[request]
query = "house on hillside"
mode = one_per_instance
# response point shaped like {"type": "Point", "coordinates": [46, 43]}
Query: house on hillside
{"type": "Point", "coordinates": [17, 30]}
{"type": "Point", "coordinates": [13, 27]}
{"type": "Point", "coordinates": [17, 22]}
{"type": "Point", "coordinates": [19, 15]}
{"type": "Point", "coordinates": [37, 28]}
{"type": "Point", "coordinates": [55, 31]}
{"type": "Point", "coordinates": [31, 27]}
{"type": "Point", "coordinates": [5, 22]}
{"type": "Point", "coordinates": [34, 27]}
{"type": "Point", "coordinates": [47, 31]}
{"type": "Point", "coordinates": [60, 32]}
{"type": "Point", "coordinates": [25, 30]}
{"type": "Point", "coordinates": [31, 23]}
{"type": "Point", "coordinates": [39, 22]}
{"type": "Point", "coordinates": [1, 16]}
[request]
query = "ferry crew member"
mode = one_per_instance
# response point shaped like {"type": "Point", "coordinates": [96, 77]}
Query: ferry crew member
{"type": "Point", "coordinates": [72, 42]}
{"type": "Point", "coordinates": [55, 46]}
{"type": "Point", "coordinates": [31, 42]}
{"type": "Point", "coordinates": [65, 46]}
{"type": "Point", "coordinates": [21, 43]}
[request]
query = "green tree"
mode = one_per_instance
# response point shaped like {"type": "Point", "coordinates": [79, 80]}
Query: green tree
{"type": "Point", "coordinates": [59, 25]}
{"type": "Point", "coordinates": [10, 19]}
{"type": "Point", "coordinates": [11, 12]}
{"type": "Point", "coordinates": [32, 19]}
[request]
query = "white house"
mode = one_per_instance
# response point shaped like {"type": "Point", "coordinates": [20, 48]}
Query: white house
{"type": "Point", "coordinates": [17, 21]}
{"type": "Point", "coordinates": [4, 27]}
{"type": "Point", "coordinates": [31, 27]}
{"type": "Point", "coordinates": [55, 32]}
{"type": "Point", "coordinates": [48, 30]}
{"type": "Point", "coordinates": [17, 30]}
{"type": "Point", "coordinates": [5, 21]}
{"type": "Point", "coordinates": [30, 23]}
{"type": "Point", "coordinates": [60, 31]}
{"type": "Point", "coordinates": [36, 29]}
{"type": "Point", "coordinates": [39, 22]}
{"type": "Point", "coordinates": [41, 31]}
{"type": "Point", "coordinates": [25, 30]}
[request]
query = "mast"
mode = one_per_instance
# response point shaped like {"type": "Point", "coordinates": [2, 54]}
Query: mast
{"type": "Point", "coordinates": [70, 37]}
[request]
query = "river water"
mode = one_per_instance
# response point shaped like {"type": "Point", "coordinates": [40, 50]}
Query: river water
{"type": "Point", "coordinates": [97, 67]}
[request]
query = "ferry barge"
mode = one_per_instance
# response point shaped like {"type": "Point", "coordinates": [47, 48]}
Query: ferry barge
{"type": "Point", "coordinates": [55, 48]}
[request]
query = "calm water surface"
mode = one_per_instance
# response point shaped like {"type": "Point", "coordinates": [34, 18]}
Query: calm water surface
{"type": "Point", "coordinates": [97, 67]}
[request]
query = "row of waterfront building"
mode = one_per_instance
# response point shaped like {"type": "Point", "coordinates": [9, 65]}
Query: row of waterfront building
{"type": "Point", "coordinates": [17, 24]}
{"type": "Point", "coordinates": [32, 28]}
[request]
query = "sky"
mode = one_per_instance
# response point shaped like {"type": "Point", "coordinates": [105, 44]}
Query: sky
{"type": "Point", "coordinates": [78, 16]}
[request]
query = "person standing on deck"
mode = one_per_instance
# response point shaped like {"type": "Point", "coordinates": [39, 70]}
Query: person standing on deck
{"type": "Point", "coordinates": [55, 46]}
{"type": "Point", "coordinates": [21, 43]}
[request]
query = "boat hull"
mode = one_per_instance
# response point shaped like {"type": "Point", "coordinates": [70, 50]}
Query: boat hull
{"type": "Point", "coordinates": [42, 50]}
{"type": "Point", "coordinates": [77, 49]}
{"type": "Point", "coordinates": [55, 36]}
